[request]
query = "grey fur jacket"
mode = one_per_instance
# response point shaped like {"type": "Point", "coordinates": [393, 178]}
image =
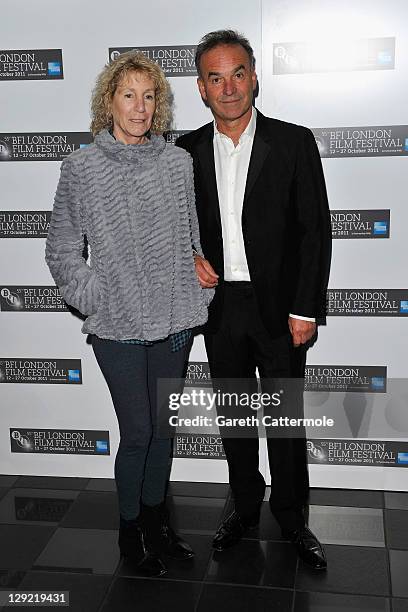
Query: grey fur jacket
{"type": "Point", "coordinates": [135, 203]}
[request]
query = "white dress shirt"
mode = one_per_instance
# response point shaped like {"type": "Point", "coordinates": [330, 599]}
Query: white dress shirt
{"type": "Point", "coordinates": [231, 170]}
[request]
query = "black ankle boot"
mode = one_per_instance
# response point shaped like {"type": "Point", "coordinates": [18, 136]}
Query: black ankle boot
{"type": "Point", "coordinates": [134, 547]}
{"type": "Point", "coordinates": [162, 537]}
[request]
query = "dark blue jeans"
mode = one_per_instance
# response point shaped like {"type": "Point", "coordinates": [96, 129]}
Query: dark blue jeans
{"type": "Point", "coordinates": [143, 460]}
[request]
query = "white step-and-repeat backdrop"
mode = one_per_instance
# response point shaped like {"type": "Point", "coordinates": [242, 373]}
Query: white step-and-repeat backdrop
{"type": "Point", "coordinates": [340, 69]}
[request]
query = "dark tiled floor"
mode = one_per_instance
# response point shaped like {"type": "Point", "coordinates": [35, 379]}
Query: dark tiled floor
{"type": "Point", "coordinates": [347, 497]}
{"type": "Point", "coordinates": [352, 569]}
{"type": "Point", "coordinates": [90, 551]}
{"type": "Point", "coordinates": [61, 534]}
{"type": "Point", "coordinates": [268, 528]}
{"type": "Point", "coordinates": [101, 484]}
{"type": "Point", "coordinates": [7, 481]}
{"type": "Point", "coordinates": [216, 597]}
{"type": "Point", "coordinates": [94, 510]}
{"type": "Point", "coordinates": [51, 482]}
{"type": "Point", "coordinates": [331, 602]}
{"type": "Point", "coordinates": [398, 566]}
{"type": "Point", "coordinates": [396, 500]}
{"type": "Point", "coordinates": [21, 545]}
{"type": "Point", "coordinates": [351, 526]}
{"type": "Point", "coordinates": [128, 595]}
{"type": "Point", "coordinates": [87, 592]}
{"type": "Point", "coordinates": [196, 514]}
{"type": "Point", "coordinates": [199, 489]}
{"type": "Point", "coordinates": [36, 506]}
{"type": "Point", "coordinates": [397, 529]}
{"type": "Point", "coordinates": [399, 605]}
{"type": "Point", "coordinates": [255, 563]}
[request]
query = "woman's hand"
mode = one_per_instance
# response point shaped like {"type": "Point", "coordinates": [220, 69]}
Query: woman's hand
{"type": "Point", "coordinates": [205, 272]}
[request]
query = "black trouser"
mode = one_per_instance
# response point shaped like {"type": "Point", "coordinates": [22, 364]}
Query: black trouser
{"type": "Point", "coordinates": [239, 346]}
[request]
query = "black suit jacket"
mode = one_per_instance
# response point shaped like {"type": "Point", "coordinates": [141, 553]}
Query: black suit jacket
{"type": "Point", "coordinates": [285, 221]}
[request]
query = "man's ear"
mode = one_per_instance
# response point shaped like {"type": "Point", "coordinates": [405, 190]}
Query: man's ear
{"type": "Point", "coordinates": [254, 78]}
{"type": "Point", "coordinates": [201, 88]}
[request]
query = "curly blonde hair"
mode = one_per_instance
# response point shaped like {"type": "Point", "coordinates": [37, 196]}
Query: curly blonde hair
{"type": "Point", "coordinates": [109, 79]}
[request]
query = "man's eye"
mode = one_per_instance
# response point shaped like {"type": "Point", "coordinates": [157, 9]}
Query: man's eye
{"type": "Point", "coordinates": [215, 80]}
{"type": "Point", "coordinates": [240, 75]}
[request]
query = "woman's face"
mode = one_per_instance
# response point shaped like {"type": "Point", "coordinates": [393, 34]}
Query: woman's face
{"type": "Point", "coordinates": [133, 106]}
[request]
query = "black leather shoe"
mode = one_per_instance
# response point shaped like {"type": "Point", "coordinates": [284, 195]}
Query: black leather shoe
{"type": "Point", "coordinates": [135, 549]}
{"type": "Point", "coordinates": [162, 536]}
{"type": "Point", "coordinates": [308, 547]}
{"type": "Point", "coordinates": [232, 529]}
{"type": "Point", "coordinates": [171, 543]}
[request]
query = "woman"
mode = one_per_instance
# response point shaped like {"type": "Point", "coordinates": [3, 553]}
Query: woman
{"type": "Point", "coordinates": [132, 195]}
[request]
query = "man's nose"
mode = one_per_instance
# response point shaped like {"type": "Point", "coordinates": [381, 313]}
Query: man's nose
{"type": "Point", "coordinates": [229, 87]}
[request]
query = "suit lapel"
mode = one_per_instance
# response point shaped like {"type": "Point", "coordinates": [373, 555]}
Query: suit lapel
{"type": "Point", "coordinates": [260, 150]}
{"type": "Point", "coordinates": [205, 152]}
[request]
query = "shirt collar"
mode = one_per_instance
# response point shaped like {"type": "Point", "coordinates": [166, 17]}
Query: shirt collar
{"type": "Point", "coordinates": [249, 131]}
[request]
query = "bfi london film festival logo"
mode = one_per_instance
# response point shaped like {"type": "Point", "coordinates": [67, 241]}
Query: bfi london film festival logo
{"type": "Point", "coordinates": [367, 302]}
{"type": "Point", "coordinates": [30, 298]}
{"type": "Point", "coordinates": [40, 371]}
{"type": "Point", "coordinates": [171, 136]}
{"type": "Point", "coordinates": [346, 378]}
{"type": "Point", "coordinates": [31, 65]}
{"type": "Point", "coordinates": [198, 446]}
{"type": "Point", "coordinates": [198, 374]}
{"type": "Point", "coordinates": [41, 146]}
{"type": "Point", "coordinates": [332, 56]}
{"type": "Point", "coordinates": [358, 452]}
{"type": "Point", "coordinates": [209, 446]}
{"type": "Point", "coordinates": [59, 441]}
{"type": "Point", "coordinates": [24, 223]}
{"type": "Point", "coordinates": [174, 60]}
{"type": "Point", "coordinates": [360, 223]}
{"type": "Point", "coordinates": [367, 141]}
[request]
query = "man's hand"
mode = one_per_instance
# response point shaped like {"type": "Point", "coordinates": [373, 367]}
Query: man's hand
{"type": "Point", "coordinates": [301, 330]}
{"type": "Point", "coordinates": [205, 272]}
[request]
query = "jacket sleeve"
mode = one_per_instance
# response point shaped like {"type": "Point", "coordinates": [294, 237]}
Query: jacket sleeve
{"type": "Point", "coordinates": [77, 282]}
{"type": "Point", "coordinates": [192, 212]}
{"type": "Point", "coordinates": [314, 231]}
{"type": "Point", "coordinates": [194, 226]}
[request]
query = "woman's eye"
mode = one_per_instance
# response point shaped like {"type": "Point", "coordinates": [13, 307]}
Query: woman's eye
{"type": "Point", "coordinates": [128, 95]}
{"type": "Point", "coordinates": [149, 97]}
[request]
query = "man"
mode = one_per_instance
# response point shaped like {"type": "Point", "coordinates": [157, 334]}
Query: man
{"type": "Point", "coordinates": [266, 237]}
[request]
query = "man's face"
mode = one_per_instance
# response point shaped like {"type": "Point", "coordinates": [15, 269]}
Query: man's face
{"type": "Point", "coordinates": [227, 82]}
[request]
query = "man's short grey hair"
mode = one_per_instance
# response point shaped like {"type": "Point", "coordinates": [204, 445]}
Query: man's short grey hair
{"type": "Point", "coordinates": [222, 37]}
